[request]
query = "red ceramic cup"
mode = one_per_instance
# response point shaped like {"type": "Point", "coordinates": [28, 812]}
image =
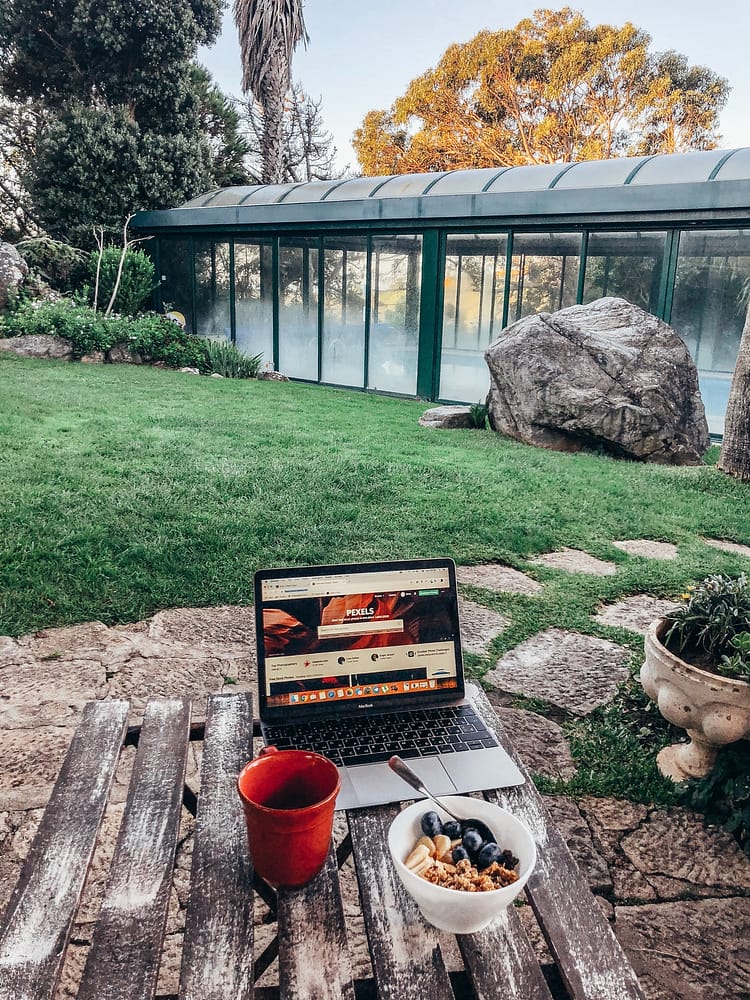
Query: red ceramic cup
{"type": "Point", "coordinates": [288, 797]}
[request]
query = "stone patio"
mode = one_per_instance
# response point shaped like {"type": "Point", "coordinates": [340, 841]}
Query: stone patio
{"type": "Point", "coordinates": [677, 892]}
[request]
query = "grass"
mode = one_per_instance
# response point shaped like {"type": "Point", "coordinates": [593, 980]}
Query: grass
{"type": "Point", "coordinates": [126, 490]}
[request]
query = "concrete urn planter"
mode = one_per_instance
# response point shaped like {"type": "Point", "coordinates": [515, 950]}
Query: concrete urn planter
{"type": "Point", "coordinates": [714, 710]}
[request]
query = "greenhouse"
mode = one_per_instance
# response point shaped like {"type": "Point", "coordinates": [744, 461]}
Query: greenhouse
{"type": "Point", "coordinates": [397, 284]}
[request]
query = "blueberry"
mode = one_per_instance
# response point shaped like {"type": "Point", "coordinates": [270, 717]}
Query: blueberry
{"type": "Point", "coordinates": [460, 854]}
{"type": "Point", "coordinates": [489, 854]}
{"type": "Point", "coordinates": [472, 841]}
{"type": "Point", "coordinates": [452, 829]}
{"type": "Point", "coordinates": [484, 831]}
{"type": "Point", "coordinates": [431, 824]}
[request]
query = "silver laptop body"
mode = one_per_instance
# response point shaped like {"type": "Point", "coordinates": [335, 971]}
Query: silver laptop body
{"type": "Point", "coordinates": [350, 656]}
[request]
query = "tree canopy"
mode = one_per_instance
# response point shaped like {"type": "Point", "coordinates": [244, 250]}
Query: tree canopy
{"type": "Point", "coordinates": [113, 91]}
{"type": "Point", "coordinates": [554, 88]}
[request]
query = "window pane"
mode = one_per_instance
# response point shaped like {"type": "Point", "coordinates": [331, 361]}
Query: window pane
{"type": "Point", "coordinates": [176, 291]}
{"type": "Point", "coordinates": [544, 274]}
{"type": "Point", "coordinates": [708, 309]}
{"type": "Point", "coordinates": [253, 298]}
{"type": "Point", "coordinates": [298, 308]}
{"type": "Point", "coordinates": [627, 265]}
{"type": "Point", "coordinates": [212, 289]}
{"type": "Point", "coordinates": [472, 312]}
{"type": "Point", "coordinates": [343, 353]}
{"type": "Point", "coordinates": [394, 313]}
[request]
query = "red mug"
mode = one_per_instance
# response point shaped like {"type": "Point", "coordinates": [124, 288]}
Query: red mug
{"type": "Point", "coordinates": [288, 797]}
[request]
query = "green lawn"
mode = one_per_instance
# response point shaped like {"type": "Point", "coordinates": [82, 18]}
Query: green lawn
{"type": "Point", "coordinates": [125, 490]}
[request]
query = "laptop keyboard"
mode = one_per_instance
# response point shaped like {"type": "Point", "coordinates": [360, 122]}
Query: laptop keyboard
{"type": "Point", "coordinates": [416, 733]}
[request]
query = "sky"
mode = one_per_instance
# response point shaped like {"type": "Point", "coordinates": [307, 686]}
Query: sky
{"type": "Point", "coordinates": [362, 55]}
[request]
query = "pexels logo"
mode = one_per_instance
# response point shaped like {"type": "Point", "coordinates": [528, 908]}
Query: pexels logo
{"type": "Point", "coordinates": [360, 612]}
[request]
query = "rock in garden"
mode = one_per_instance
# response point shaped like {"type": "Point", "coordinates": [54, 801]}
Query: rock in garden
{"type": "Point", "coordinates": [38, 345]}
{"type": "Point", "coordinates": [446, 416]}
{"type": "Point", "coordinates": [604, 375]}
{"type": "Point", "coordinates": [120, 354]}
{"type": "Point", "coordinates": [13, 270]}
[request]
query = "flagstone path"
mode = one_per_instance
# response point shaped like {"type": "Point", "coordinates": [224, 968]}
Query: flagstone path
{"type": "Point", "coordinates": [676, 891]}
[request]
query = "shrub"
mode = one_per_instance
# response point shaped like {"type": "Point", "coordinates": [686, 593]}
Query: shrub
{"type": "Point", "coordinates": [724, 795]}
{"type": "Point", "coordinates": [478, 416]}
{"type": "Point", "coordinates": [86, 330]}
{"type": "Point", "coordinates": [136, 283]}
{"type": "Point", "coordinates": [158, 339]}
{"type": "Point", "coordinates": [225, 359]}
{"type": "Point", "coordinates": [60, 265]}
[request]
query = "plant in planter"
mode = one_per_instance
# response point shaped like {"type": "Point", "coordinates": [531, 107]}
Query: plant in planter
{"type": "Point", "coordinates": [697, 669]}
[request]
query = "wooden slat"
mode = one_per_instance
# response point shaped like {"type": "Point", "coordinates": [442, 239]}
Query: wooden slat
{"type": "Point", "coordinates": [217, 958]}
{"type": "Point", "coordinates": [404, 949]}
{"type": "Point", "coordinates": [34, 931]}
{"type": "Point", "coordinates": [589, 958]}
{"type": "Point", "coordinates": [126, 947]}
{"type": "Point", "coordinates": [500, 961]}
{"type": "Point", "coordinates": [314, 962]}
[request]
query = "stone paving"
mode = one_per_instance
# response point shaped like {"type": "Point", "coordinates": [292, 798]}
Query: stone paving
{"type": "Point", "coordinates": [676, 891]}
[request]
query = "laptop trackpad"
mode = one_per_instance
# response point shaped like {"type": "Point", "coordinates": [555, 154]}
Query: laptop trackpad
{"type": "Point", "coordinates": [375, 784]}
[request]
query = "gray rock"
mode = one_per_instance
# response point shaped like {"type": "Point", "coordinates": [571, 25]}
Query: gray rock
{"type": "Point", "coordinates": [575, 561]}
{"type": "Point", "coordinates": [446, 417]}
{"type": "Point", "coordinates": [271, 376]}
{"type": "Point", "coordinates": [13, 270]}
{"type": "Point", "coordinates": [94, 358]}
{"type": "Point", "coordinates": [646, 548]}
{"type": "Point", "coordinates": [572, 825]}
{"type": "Point", "coordinates": [604, 375]}
{"type": "Point", "coordinates": [493, 576]}
{"type": "Point", "coordinates": [41, 345]}
{"type": "Point", "coordinates": [690, 950]}
{"type": "Point", "coordinates": [573, 671]}
{"type": "Point", "coordinates": [479, 626]}
{"type": "Point", "coordinates": [120, 354]}
{"type": "Point", "coordinates": [539, 741]}
{"type": "Point", "coordinates": [734, 547]}
{"type": "Point", "coordinates": [635, 612]}
{"type": "Point", "coordinates": [187, 370]}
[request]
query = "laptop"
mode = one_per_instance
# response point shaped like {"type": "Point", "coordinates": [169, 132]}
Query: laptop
{"type": "Point", "coordinates": [360, 662]}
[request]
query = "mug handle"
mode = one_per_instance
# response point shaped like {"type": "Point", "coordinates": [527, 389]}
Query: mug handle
{"type": "Point", "coordinates": [267, 751]}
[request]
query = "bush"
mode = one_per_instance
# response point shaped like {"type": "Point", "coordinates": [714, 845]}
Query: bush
{"type": "Point", "coordinates": [136, 283]}
{"type": "Point", "coordinates": [154, 337]}
{"type": "Point", "coordinates": [225, 359]}
{"type": "Point", "coordinates": [724, 795]}
{"type": "Point", "coordinates": [86, 330]}
{"type": "Point", "coordinates": [60, 265]}
{"type": "Point", "coordinates": [158, 339]}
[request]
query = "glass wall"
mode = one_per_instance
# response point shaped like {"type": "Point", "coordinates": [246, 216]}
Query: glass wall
{"type": "Point", "coordinates": [298, 307]}
{"type": "Point", "coordinates": [544, 273]}
{"type": "Point", "coordinates": [473, 294]}
{"type": "Point", "coordinates": [396, 280]}
{"type": "Point", "coordinates": [176, 278]}
{"type": "Point", "coordinates": [212, 289]}
{"type": "Point", "coordinates": [627, 265]}
{"type": "Point", "coordinates": [253, 298]}
{"type": "Point", "coordinates": [708, 309]}
{"type": "Point", "coordinates": [344, 287]}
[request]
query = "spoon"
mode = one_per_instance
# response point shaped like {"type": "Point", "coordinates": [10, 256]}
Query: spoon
{"type": "Point", "coordinates": [410, 777]}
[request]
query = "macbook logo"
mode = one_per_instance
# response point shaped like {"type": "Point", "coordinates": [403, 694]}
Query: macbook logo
{"type": "Point", "coordinates": [367, 704]}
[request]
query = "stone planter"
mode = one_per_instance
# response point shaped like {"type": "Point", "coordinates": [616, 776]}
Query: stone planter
{"type": "Point", "coordinates": [714, 710]}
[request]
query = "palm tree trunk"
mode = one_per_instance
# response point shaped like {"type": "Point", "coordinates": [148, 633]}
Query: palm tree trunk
{"type": "Point", "coordinates": [272, 99]}
{"type": "Point", "coordinates": [735, 451]}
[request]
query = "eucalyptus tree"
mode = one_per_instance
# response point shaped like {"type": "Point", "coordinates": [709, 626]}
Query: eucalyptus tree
{"type": "Point", "coordinates": [552, 89]}
{"type": "Point", "coordinates": [269, 32]}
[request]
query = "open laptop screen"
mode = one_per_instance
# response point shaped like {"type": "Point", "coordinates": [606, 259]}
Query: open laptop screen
{"type": "Point", "coordinates": [347, 634]}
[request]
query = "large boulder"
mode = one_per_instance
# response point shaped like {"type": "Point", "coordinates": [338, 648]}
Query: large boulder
{"type": "Point", "coordinates": [38, 345]}
{"type": "Point", "coordinates": [13, 270]}
{"type": "Point", "coordinates": [605, 375]}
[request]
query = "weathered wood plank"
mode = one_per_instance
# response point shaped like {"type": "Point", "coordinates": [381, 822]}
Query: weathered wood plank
{"type": "Point", "coordinates": [126, 944]}
{"type": "Point", "coordinates": [217, 957]}
{"type": "Point", "coordinates": [589, 958]}
{"type": "Point", "coordinates": [500, 961]}
{"type": "Point", "coordinates": [404, 949]}
{"type": "Point", "coordinates": [34, 931]}
{"type": "Point", "coordinates": [314, 962]}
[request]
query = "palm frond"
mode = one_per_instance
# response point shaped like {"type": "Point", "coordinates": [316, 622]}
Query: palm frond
{"type": "Point", "coordinates": [269, 31]}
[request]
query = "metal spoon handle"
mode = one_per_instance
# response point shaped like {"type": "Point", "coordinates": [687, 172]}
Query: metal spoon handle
{"type": "Point", "coordinates": [410, 777]}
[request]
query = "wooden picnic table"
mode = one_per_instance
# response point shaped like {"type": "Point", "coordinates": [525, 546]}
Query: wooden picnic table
{"type": "Point", "coordinates": [219, 961]}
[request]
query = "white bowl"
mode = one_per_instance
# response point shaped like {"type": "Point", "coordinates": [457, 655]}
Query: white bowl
{"type": "Point", "coordinates": [451, 909]}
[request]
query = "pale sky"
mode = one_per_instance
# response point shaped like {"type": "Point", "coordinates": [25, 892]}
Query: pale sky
{"type": "Point", "coordinates": [362, 56]}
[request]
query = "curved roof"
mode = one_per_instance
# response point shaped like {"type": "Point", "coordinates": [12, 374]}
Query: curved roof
{"type": "Point", "coordinates": [625, 184]}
